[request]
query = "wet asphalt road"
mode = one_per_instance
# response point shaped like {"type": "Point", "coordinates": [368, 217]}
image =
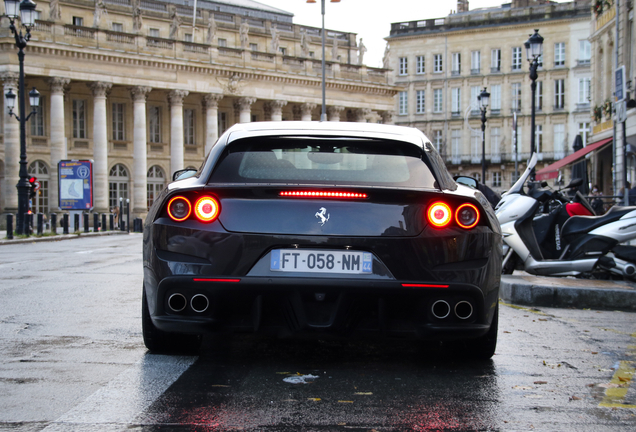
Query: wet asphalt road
{"type": "Point", "coordinates": [72, 359]}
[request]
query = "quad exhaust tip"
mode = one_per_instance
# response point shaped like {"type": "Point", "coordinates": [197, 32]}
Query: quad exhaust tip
{"type": "Point", "coordinates": [440, 309]}
{"type": "Point", "coordinates": [177, 302]}
{"type": "Point", "coordinates": [199, 303]}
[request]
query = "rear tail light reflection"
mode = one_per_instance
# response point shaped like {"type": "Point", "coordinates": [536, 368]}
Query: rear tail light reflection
{"type": "Point", "coordinates": [440, 215]}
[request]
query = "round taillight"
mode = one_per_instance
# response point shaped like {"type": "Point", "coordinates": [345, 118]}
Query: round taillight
{"type": "Point", "coordinates": [439, 214]}
{"type": "Point", "coordinates": [179, 208]}
{"type": "Point", "coordinates": [467, 216]}
{"type": "Point", "coordinates": [206, 209]}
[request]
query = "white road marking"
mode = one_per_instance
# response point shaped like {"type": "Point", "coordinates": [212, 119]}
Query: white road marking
{"type": "Point", "coordinates": [116, 405]}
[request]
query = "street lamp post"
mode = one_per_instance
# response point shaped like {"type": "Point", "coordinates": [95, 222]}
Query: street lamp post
{"type": "Point", "coordinates": [484, 99]}
{"type": "Point", "coordinates": [323, 113]}
{"type": "Point", "coordinates": [26, 11]}
{"type": "Point", "coordinates": [534, 49]}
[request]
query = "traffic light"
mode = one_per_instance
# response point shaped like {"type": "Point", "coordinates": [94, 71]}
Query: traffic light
{"type": "Point", "coordinates": [33, 182]}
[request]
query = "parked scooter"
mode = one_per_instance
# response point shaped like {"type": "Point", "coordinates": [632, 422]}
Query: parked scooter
{"type": "Point", "coordinates": [543, 238]}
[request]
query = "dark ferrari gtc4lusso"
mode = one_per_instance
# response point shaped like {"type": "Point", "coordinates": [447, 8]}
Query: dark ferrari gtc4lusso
{"type": "Point", "coordinates": [321, 229]}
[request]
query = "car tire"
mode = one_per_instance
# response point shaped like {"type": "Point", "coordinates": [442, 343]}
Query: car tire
{"type": "Point", "coordinates": [159, 341]}
{"type": "Point", "coordinates": [483, 348]}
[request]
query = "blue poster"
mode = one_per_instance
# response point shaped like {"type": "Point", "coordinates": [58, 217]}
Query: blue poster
{"type": "Point", "coordinates": [75, 184]}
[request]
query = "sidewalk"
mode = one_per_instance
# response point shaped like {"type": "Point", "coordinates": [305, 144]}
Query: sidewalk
{"type": "Point", "coordinates": [567, 292]}
{"type": "Point", "coordinates": [58, 237]}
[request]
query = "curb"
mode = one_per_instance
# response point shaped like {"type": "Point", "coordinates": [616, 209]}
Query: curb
{"type": "Point", "coordinates": [567, 292]}
{"type": "Point", "coordinates": [60, 237]}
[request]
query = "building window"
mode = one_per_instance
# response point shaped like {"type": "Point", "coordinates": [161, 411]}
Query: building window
{"type": "Point", "coordinates": [438, 140]}
{"type": "Point", "coordinates": [495, 60]}
{"type": "Point", "coordinates": [456, 65]}
{"type": "Point", "coordinates": [538, 101]}
{"type": "Point", "coordinates": [188, 37]}
{"type": "Point", "coordinates": [221, 118]}
{"type": "Point", "coordinates": [584, 90]}
{"type": "Point", "coordinates": [420, 101]}
{"type": "Point", "coordinates": [475, 62]}
{"type": "Point", "coordinates": [154, 124]}
{"type": "Point", "coordinates": [79, 118]}
{"type": "Point", "coordinates": [516, 96]}
{"type": "Point", "coordinates": [403, 66]}
{"type": "Point", "coordinates": [584, 131]}
{"type": "Point", "coordinates": [222, 42]}
{"type": "Point", "coordinates": [559, 94]}
{"type": "Point", "coordinates": [37, 120]}
{"type": "Point", "coordinates": [559, 141]}
{"type": "Point", "coordinates": [438, 65]}
{"type": "Point", "coordinates": [495, 140]}
{"type": "Point", "coordinates": [253, 47]}
{"type": "Point", "coordinates": [283, 51]}
{"type": "Point", "coordinates": [153, 32]}
{"type": "Point", "coordinates": [188, 127]}
{"type": "Point", "coordinates": [118, 121]}
{"type": "Point", "coordinates": [496, 179]}
{"type": "Point", "coordinates": [559, 54]}
{"type": "Point", "coordinates": [516, 58]}
{"type": "Point", "coordinates": [495, 98]}
{"type": "Point", "coordinates": [538, 138]}
{"type": "Point", "coordinates": [117, 185]}
{"type": "Point", "coordinates": [78, 21]}
{"type": "Point", "coordinates": [456, 145]}
{"type": "Point", "coordinates": [585, 52]}
{"type": "Point", "coordinates": [475, 91]}
{"type": "Point", "coordinates": [420, 65]}
{"type": "Point", "coordinates": [40, 204]}
{"type": "Point", "coordinates": [403, 103]}
{"type": "Point", "coordinates": [456, 101]}
{"type": "Point", "coordinates": [155, 183]}
{"type": "Point", "coordinates": [118, 27]}
{"type": "Point", "coordinates": [475, 146]}
{"type": "Point", "coordinates": [438, 103]}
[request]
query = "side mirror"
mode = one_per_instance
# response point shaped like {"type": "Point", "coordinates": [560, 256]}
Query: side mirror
{"type": "Point", "coordinates": [183, 174]}
{"type": "Point", "coordinates": [467, 181]}
{"type": "Point", "coordinates": [575, 183]}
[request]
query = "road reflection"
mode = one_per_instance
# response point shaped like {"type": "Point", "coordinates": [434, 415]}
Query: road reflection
{"type": "Point", "coordinates": [352, 386]}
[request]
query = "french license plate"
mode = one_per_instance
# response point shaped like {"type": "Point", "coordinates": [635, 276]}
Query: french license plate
{"type": "Point", "coordinates": [321, 261]}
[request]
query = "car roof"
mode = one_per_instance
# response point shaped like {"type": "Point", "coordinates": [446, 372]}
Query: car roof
{"type": "Point", "coordinates": [352, 129]}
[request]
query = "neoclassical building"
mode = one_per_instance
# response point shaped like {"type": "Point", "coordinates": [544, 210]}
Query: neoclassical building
{"type": "Point", "coordinates": [443, 64]}
{"type": "Point", "coordinates": [134, 86]}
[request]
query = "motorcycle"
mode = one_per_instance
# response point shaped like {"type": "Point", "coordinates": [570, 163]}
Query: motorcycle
{"type": "Point", "coordinates": [547, 234]}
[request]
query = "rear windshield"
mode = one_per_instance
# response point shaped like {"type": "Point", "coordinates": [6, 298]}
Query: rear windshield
{"type": "Point", "coordinates": [299, 160]}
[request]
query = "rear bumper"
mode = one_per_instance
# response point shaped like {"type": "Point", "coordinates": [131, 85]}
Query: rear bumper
{"type": "Point", "coordinates": [319, 307]}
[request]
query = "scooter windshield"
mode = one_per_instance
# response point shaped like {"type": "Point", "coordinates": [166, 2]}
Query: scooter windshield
{"type": "Point", "coordinates": [518, 186]}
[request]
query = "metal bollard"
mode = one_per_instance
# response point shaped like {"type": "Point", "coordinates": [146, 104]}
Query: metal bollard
{"type": "Point", "coordinates": [111, 222]}
{"type": "Point", "coordinates": [40, 224]}
{"type": "Point", "coordinates": [65, 223]}
{"type": "Point", "coordinates": [85, 222]}
{"type": "Point", "coordinates": [76, 222]}
{"type": "Point", "coordinates": [28, 224]}
{"type": "Point", "coordinates": [128, 215]}
{"type": "Point", "coordinates": [104, 227]}
{"type": "Point", "coordinates": [10, 226]}
{"type": "Point", "coordinates": [54, 223]}
{"type": "Point", "coordinates": [95, 222]}
{"type": "Point", "coordinates": [123, 225]}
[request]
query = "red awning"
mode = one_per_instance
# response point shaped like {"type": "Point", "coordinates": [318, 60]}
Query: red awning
{"type": "Point", "coordinates": [552, 171]}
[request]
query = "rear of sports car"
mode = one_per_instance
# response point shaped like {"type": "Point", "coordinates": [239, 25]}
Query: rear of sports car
{"type": "Point", "coordinates": [322, 233]}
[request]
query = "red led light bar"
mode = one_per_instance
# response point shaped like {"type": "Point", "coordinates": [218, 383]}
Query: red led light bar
{"type": "Point", "coordinates": [215, 280]}
{"type": "Point", "coordinates": [407, 285]}
{"type": "Point", "coordinates": [322, 194]}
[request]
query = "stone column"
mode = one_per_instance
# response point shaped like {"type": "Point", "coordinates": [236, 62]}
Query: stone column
{"type": "Point", "coordinates": [140, 153]}
{"type": "Point", "coordinates": [211, 106]}
{"type": "Point", "coordinates": [175, 97]}
{"type": "Point", "coordinates": [306, 110]}
{"type": "Point", "coordinates": [100, 146]}
{"type": "Point", "coordinates": [333, 113]}
{"type": "Point", "coordinates": [244, 106]}
{"type": "Point", "coordinates": [387, 117]}
{"type": "Point", "coordinates": [59, 148]}
{"type": "Point", "coordinates": [362, 114]}
{"type": "Point", "coordinates": [11, 148]}
{"type": "Point", "coordinates": [276, 107]}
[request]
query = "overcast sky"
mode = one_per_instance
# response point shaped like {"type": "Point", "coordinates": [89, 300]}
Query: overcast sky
{"type": "Point", "coordinates": [371, 19]}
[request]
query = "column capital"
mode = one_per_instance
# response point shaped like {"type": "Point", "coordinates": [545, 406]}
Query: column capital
{"type": "Point", "coordinates": [245, 103]}
{"type": "Point", "coordinates": [139, 93]}
{"type": "Point", "coordinates": [58, 83]}
{"type": "Point", "coordinates": [334, 112]}
{"type": "Point", "coordinates": [100, 88]}
{"type": "Point", "coordinates": [9, 79]}
{"type": "Point", "coordinates": [307, 108]}
{"type": "Point", "coordinates": [175, 97]}
{"type": "Point", "coordinates": [362, 113]}
{"type": "Point", "coordinates": [277, 105]}
{"type": "Point", "coordinates": [387, 117]}
{"type": "Point", "coordinates": [211, 100]}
